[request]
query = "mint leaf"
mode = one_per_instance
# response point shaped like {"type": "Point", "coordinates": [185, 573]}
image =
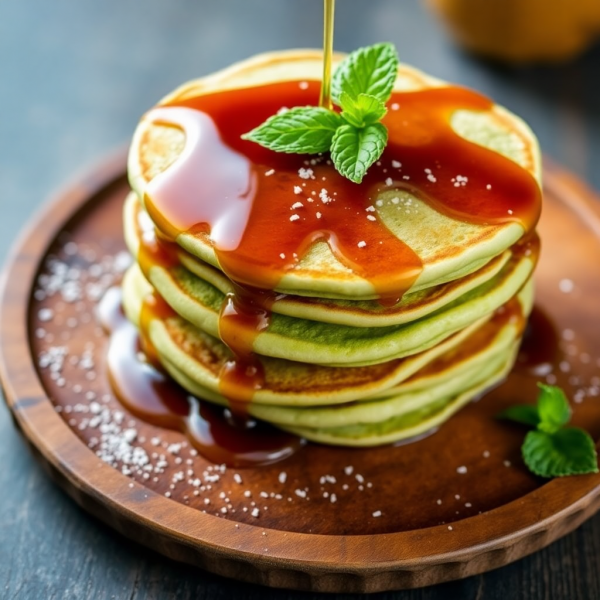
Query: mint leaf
{"type": "Point", "coordinates": [363, 110]}
{"type": "Point", "coordinates": [354, 150]}
{"type": "Point", "coordinates": [553, 450]}
{"type": "Point", "coordinates": [300, 130]}
{"type": "Point", "coordinates": [569, 451]}
{"type": "Point", "coordinates": [553, 408]}
{"type": "Point", "coordinates": [362, 84]}
{"type": "Point", "coordinates": [372, 70]}
{"type": "Point", "coordinates": [527, 414]}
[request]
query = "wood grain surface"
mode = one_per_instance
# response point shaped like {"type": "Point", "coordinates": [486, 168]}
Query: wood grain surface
{"type": "Point", "coordinates": [65, 111]}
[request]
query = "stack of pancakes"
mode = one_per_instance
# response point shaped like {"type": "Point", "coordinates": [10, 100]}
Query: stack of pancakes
{"type": "Point", "coordinates": [340, 367]}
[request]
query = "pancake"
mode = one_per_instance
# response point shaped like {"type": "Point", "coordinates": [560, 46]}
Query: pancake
{"type": "Point", "coordinates": [429, 397]}
{"type": "Point", "coordinates": [200, 357]}
{"type": "Point", "coordinates": [448, 248]}
{"type": "Point", "coordinates": [364, 313]}
{"type": "Point", "coordinates": [364, 412]}
{"type": "Point", "coordinates": [407, 427]}
{"type": "Point", "coordinates": [340, 345]}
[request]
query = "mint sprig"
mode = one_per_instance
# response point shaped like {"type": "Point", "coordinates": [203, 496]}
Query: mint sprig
{"type": "Point", "coordinates": [361, 85]}
{"type": "Point", "coordinates": [553, 450]}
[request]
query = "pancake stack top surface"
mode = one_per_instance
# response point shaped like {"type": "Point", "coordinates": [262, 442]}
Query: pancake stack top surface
{"type": "Point", "coordinates": [348, 314]}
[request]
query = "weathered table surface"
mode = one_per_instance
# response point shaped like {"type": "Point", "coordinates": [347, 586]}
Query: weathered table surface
{"type": "Point", "coordinates": [74, 78]}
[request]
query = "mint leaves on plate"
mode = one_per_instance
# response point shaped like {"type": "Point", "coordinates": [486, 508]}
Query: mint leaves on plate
{"type": "Point", "coordinates": [551, 449]}
{"type": "Point", "coordinates": [361, 85]}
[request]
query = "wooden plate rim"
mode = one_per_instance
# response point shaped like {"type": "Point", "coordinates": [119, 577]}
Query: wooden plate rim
{"type": "Point", "coordinates": [536, 518]}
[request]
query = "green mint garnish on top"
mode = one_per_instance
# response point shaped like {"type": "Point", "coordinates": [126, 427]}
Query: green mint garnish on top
{"type": "Point", "coordinates": [552, 449]}
{"type": "Point", "coordinates": [361, 85]}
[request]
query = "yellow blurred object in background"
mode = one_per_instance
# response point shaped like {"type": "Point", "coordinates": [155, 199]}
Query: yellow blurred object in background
{"type": "Point", "coordinates": [523, 30]}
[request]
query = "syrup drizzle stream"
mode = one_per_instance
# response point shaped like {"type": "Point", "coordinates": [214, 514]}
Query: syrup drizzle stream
{"type": "Point", "coordinates": [271, 208]}
{"type": "Point", "coordinates": [328, 23]}
{"type": "Point", "coordinates": [150, 394]}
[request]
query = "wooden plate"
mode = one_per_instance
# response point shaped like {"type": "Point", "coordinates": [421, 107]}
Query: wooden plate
{"type": "Point", "coordinates": [337, 520]}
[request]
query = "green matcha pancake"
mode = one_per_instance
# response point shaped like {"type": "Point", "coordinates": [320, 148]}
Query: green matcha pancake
{"type": "Point", "coordinates": [200, 358]}
{"type": "Point", "coordinates": [405, 427]}
{"type": "Point", "coordinates": [447, 247]}
{"type": "Point", "coordinates": [139, 233]}
{"type": "Point", "coordinates": [340, 345]}
{"type": "Point", "coordinates": [411, 407]}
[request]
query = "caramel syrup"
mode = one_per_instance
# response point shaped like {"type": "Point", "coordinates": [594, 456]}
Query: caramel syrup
{"type": "Point", "coordinates": [264, 210]}
{"type": "Point", "coordinates": [150, 394]}
{"type": "Point", "coordinates": [244, 314]}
